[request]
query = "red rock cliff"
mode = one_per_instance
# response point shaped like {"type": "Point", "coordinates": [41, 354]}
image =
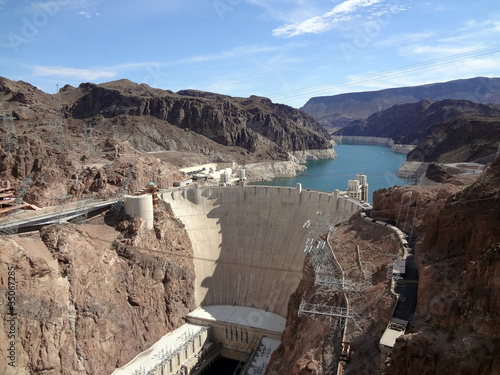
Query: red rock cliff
{"type": "Point", "coordinates": [88, 304]}
{"type": "Point", "coordinates": [456, 329]}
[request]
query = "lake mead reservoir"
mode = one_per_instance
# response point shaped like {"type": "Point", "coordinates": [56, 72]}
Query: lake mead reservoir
{"type": "Point", "coordinates": [378, 163]}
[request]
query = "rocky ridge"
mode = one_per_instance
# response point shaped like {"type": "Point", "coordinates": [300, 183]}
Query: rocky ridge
{"type": "Point", "coordinates": [83, 140]}
{"type": "Point", "coordinates": [149, 117]}
{"type": "Point", "coordinates": [90, 298]}
{"type": "Point", "coordinates": [337, 111]}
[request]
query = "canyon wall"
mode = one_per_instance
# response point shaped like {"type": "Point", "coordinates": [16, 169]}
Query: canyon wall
{"type": "Point", "coordinates": [337, 111]}
{"type": "Point", "coordinates": [456, 325]}
{"type": "Point", "coordinates": [89, 298]}
{"type": "Point", "coordinates": [311, 344]}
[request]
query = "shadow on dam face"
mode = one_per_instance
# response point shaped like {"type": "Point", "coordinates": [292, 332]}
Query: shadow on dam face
{"type": "Point", "coordinates": [249, 242]}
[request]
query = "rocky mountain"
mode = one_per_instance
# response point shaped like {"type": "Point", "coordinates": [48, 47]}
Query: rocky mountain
{"type": "Point", "coordinates": [150, 119]}
{"type": "Point", "coordinates": [337, 111]}
{"type": "Point", "coordinates": [90, 297]}
{"type": "Point", "coordinates": [84, 139]}
{"type": "Point", "coordinates": [456, 325]}
{"type": "Point", "coordinates": [443, 131]}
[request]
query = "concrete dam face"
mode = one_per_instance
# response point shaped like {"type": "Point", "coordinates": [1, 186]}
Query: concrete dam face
{"type": "Point", "coordinates": [249, 241]}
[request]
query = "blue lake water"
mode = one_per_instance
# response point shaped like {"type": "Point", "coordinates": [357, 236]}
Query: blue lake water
{"type": "Point", "coordinates": [378, 163]}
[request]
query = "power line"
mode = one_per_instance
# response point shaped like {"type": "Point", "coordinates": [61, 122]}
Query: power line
{"type": "Point", "coordinates": [369, 77]}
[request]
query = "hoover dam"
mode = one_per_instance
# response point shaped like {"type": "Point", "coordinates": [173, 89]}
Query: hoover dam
{"type": "Point", "coordinates": [248, 249]}
{"type": "Point", "coordinates": [249, 242]}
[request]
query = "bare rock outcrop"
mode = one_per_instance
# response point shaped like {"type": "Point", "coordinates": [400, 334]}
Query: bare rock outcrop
{"type": "Point", "coordinates": [145, 116]}
{"type": "Point", "coordinates": [86, 303]}
{"type": "Point", "coordinates": [311, 345]}
{"type": "Point", "coordinates": [456, 329]}
{"type": "Point", "coordinates": [56, 173]}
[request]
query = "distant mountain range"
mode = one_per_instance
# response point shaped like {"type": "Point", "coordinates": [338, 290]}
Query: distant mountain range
{"type": "Point", "coordinates": [444, 131]}
{"type": "Point", "coordinates": [337, 111]}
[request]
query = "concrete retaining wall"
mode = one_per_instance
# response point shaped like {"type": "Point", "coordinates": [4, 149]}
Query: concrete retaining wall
{"type": "Point", "coordinates": [249, 241]}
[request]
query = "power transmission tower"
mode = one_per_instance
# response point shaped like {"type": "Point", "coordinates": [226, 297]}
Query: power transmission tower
{"type": "Point", "coordinates": [118, 206]}
{"type": "Point", "coordinates": [83, 209]}
{"type": "Point", "coordinates": [25, 185]}
{"type": "Point", "coordinates": [391, 266]}
{"type": "Point", "coordinates": [335, 314]}
{"type": "Point", "coordinates": [89, 139]}
{"type": "Point", "coordinates": [114, 129]}
{"type": "Point", "coordinates": [9, 143]}
{"type": "Point", "coordinates": [367, 270]}
{"type": "Point", "coordinates": [59, 124]}
{"type": "Point", "coordinates": [326, 268]}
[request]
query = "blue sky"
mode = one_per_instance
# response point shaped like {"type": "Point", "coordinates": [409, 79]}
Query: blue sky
{"type": "Point", "coordinates": [287, 50]}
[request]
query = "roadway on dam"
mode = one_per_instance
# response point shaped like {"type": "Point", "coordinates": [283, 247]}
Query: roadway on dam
{"type": "Point", "coordinates": [249, 241]}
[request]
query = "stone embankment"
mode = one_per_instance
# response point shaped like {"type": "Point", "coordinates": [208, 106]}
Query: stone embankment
{"type": "Point", "coordinates": [362, 140]}
{"type": "Point", "coordinates": [306, 155]}
{"type": "Point", "coordinates": [265, 171]}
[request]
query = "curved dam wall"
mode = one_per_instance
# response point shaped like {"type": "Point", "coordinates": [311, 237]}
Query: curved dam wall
{"type": "Point", "coordinates": [249, 241]}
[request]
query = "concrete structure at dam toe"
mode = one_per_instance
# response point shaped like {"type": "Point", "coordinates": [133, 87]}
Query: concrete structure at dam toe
{"type": "Point", "coordinates": [249, 242]}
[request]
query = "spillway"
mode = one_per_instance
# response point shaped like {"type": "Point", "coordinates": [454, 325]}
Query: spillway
{"type": "Point", "coordinates": [248, 241]}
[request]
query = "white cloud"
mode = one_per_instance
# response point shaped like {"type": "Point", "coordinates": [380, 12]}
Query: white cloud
{"type": "Point", "coordinates": [319, 24]}
{"type": "Point", "coordinates": [231, 53]}
{"type": "Point", "coordinates": [72, 73]}
{"type": "Point", "coordinates": [288, 11]}
{"type": "Point", "coordinates": [86, 14]}
{"type": "Point", "coordinates": [235, 52]}
{"type": "Point", "coordinates": [474, 39]}
{"type": "Point", "coordinates": [156, 66]}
